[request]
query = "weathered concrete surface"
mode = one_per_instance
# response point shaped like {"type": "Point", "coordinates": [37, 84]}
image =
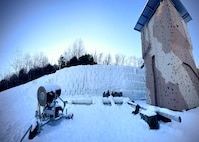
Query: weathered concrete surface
{"type": "Point", "coordinates": [171, 75]}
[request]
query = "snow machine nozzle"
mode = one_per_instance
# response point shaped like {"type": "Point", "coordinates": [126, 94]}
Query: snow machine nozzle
{"type": "Point", "coordinates": [48, 109]}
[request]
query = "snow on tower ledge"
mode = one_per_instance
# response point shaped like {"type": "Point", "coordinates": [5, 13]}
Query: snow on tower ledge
{"type": "Point", "coordinates": [171, 77]}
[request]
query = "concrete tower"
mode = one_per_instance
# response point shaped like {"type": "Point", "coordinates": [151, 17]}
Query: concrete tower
{"type": "Point", "coordinates": [171, 76]}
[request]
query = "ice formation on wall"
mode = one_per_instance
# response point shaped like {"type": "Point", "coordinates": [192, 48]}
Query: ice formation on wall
{"type": "Point", "coordinates": [95, 79]}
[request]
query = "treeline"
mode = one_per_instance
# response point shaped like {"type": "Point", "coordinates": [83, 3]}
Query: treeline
{"type": "Point", "coordinates": [23, 76]}
{"type": "Point", "coordinates": [27, 68]}
{"type": "Point", "coordinates": [76, 55]}
{"type": "Point", "coordinates": [77, 49]}
{"type": "Point", "coordinates": [86, 59]}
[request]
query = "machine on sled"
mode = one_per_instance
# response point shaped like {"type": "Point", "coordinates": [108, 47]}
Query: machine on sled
{"type": "Point", "coordinates": [48, 109]}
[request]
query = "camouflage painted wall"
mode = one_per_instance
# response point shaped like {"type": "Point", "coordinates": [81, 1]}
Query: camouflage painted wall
{"type": "Point", "coordinates": [171, 75]}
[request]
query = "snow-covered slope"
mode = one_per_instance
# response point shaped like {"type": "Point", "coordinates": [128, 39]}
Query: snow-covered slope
{"type": "Point", "coordinates": [95, 122]}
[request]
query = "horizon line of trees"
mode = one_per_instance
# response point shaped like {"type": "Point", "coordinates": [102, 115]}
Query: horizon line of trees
{"type": "Point", "coordinates": [78, 50]}
{"type": "Point", "coordinates": [27, 68]}
{"type": "Point", "coordinates": [24, 75]}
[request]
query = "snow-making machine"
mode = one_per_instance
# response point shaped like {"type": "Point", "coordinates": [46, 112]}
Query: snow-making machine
{"type": "Point", "coordinates": [48, 109]}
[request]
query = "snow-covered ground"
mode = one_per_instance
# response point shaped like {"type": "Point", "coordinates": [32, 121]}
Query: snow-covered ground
{"type": "Point", "coordinates": [96, 122]}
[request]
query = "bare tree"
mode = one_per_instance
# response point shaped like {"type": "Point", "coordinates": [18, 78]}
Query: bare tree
{"type": "Point", "coordinates": [119, 59]}
{"type": "Point", "coordinates": [107, 59]}
{"type": "Point", "coordinates": [28, 63]}
{"type": "Point", "coordinates": [78, 48]}
{"type": "Point", "coordinates": [16, 62]}
{"type": "Point", "coordinates": [40, 60]}
{"type": "Point", "coordinates": [123, 58]}
{"type": "Point", "coordinates": [129, 61]}
{"type": "Point", "coordinates": [132, 61]}
{"type": "Point", "coordinates": [95, 57]}
{"type": "Point", "coordinates": [68, 54]}
{"type": "Point", "coordinates": [100, 58]}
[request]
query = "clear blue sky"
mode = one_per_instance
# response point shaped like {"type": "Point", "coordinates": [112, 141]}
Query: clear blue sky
{"type": "Point", "coordinates": [51, 26]}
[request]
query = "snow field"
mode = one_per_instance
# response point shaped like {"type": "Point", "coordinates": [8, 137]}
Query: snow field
{"type": "Point", "coordinates": [96, 122]}
{"type": "Point", "coordinates": [116, 123]}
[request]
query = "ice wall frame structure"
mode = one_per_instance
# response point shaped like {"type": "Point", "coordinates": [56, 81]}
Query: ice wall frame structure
{"type": "Point", "coordinates": [171, 77]}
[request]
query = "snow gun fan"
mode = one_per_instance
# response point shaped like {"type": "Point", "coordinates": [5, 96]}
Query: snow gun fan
{"type": "Point", "coordinates": [48, 109]}
{"type": "Point", "coordinates": [47, 96]}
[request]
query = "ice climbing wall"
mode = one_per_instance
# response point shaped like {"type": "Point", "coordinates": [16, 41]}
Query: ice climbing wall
{"type": "Point", "coordinates": [94, 80]}
{"type": "Point", "coordinates": [171, 77]}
